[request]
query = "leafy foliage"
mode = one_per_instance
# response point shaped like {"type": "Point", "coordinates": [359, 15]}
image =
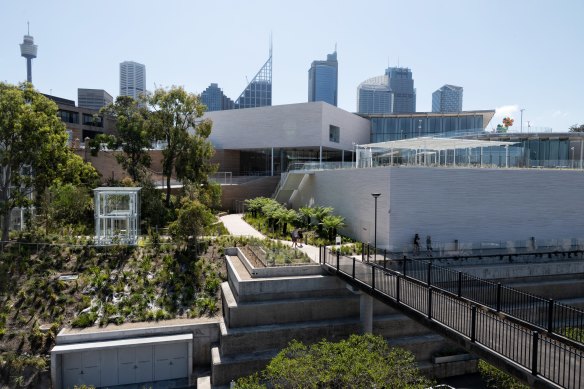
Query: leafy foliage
{"type": "Point", "coordinates": [496, 378]}
{"type": "Point", "coordinates": [577, 128]}
{"type": "Point", "coordinates": [175, 120]}
{"type": "Point", "coordinates": [132, 136]}
{"type": "Point", "coordinates": [29, 122]}
{"type": "Point", "coordinates": [362, 361]}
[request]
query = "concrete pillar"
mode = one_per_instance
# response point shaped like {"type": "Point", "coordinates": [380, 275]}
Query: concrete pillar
{"type": "Point", "coordinates": [366, 313]}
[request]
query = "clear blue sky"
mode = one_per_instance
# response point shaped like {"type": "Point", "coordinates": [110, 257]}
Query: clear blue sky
{"type": "Point", "coordinates": [506, 54]}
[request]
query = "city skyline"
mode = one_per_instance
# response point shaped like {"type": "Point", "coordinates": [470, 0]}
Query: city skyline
{"type": "Point", "coordinates": [502, 53]}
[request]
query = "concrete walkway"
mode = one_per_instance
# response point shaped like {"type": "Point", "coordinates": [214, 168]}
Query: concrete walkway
{"type": "Point", "coordinates": [236, 226]}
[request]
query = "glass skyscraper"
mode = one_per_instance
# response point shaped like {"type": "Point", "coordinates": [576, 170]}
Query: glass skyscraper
{"type": "Point", "coordinates": [401, 84]}
{"type": "Point", "coordinates": [447, 99]}
{"type": "Point", "coordinates": [215, 100]}
{"type": "Point", "coordinates": [258, 92]}
{"type": "Point", "coordinates": [93, 98]}
{"type": "Point", "coordinates": [374, 96]}
{"type": "Point", "coordinates": [323, 80]}
{"type": "Point", "coordinates": [132, 79]}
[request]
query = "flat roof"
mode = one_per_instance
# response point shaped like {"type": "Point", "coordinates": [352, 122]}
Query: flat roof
{"type": "Point", "coordinates": [438, 144]}
{"type": "Point", "coordinates": [74, 347]}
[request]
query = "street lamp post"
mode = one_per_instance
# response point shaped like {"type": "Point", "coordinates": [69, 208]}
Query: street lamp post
{"type": "Point", "coordinates": [523, 109]}
{"type": "Point", "coordinates": [375, 196]}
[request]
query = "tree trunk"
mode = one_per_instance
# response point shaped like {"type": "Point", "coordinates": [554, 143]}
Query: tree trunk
{"type": "Point", "coordinates": [6, 225]}
{"type": "Point", "coordinates": [168, 191]}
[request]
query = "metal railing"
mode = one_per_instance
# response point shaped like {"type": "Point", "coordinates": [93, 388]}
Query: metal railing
{"type": "Point", "coordinates": [475, 310]}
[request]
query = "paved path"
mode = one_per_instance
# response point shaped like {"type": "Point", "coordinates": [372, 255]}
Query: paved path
{"type": "Point", "coordinates": [235, 224]}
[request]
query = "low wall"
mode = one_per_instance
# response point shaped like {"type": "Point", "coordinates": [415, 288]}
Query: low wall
{"type": "Point", "coordinates": [275, 271]}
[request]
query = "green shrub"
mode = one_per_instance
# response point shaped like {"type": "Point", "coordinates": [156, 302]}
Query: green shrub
{"type": "Point", "coordinates": [495, 378]}
{"type": "Point", "coordinates": [84, 320]}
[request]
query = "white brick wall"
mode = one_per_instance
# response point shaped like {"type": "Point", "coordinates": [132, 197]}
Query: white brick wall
{"type": "Point", "coordinates": [471, 205]}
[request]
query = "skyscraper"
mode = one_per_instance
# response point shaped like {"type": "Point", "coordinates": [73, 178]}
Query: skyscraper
{"type": "Point", "coordinates": [132, 79]}
{"type": "Point", "coordinates": [447, 99]}
{"type": "Point", "coordinates": [215, 100]}
{"type": "Point", "coordinates": [93, 98]}
{"type": "Point", "coordinates": [401, 84]}
{"type": "Point", "coordinates": [323, 80]}
{"type": "Point", "coordinates": [28, 50]}
{"type": "Point", "coordinates": [258, 92]}
{"type": "Point", "coordinates": [374, 96]}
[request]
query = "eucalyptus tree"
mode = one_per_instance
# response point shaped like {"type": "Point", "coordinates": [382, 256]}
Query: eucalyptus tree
{"type": "Point", "coordinates": [33, 150]}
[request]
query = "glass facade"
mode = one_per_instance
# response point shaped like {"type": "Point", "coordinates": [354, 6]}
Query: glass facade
{"type": "Point", "coordinates": [259, 91]}
{"type": "Point", "coordinates": [132, 79]}
{"type": "Point", "coordinates": [447, 99]}
{"type": "Point", "coordinates": [323, 80]}
{"type": "Point", "coordinates": [401, 84]}
{"type": "Point", "coordinates": [215, 100]}
{"type": "Point", "coordinates": [387, 128]}
{"type": "Point", "coordinates": [374, 96]}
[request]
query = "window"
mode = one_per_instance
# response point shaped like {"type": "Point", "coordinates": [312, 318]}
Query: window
{"type": "Point", "coordinates": [334, 134]}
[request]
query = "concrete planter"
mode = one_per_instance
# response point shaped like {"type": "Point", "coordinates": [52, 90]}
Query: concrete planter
{"type": "Point", "coordinates": [453, 358]}
{"type": "Point", "coordinates": [309, 269]}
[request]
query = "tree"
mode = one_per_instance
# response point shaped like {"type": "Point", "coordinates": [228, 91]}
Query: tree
{"type": "Point", "coordinates": [577, 128]}
{"type": "Point", "coordinates": [34, 152]}
{"type": "Point", "coordinates": [193, 219]}
{"type": "Point", "coordinates": [175, 120]}
{"type": "Point", "coordinates": [132, 136]}
{"type": "Point", "coordinates": [332, 223]}
{"type": "Point", "coordinates": [362, 361]}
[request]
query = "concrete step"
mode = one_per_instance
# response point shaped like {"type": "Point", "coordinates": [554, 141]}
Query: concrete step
{"type": "Point", "coordinates": [234, 341]}
{"type": "Point", "coordinates": [277, 336]}
{"type": "Point", "coordinates": [227, 368]}
{"type": "Point", "coordinates": [422, 346]}
{"type": "Point", "coordinates": [245, 314]}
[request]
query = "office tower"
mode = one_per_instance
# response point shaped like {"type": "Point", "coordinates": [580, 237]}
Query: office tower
{"type": "Point", "coordinates": [374, 96]}
{"type": "Point", "coordinates": [447, 99]}
{"type": "Point", "coordinates": [28, 50]}
{"type": "Point", "coordinates": [132, 79]}
{"type": "Point", "coordinates": [323, 80]}
{"type": "Point", "coordinates": [215, 100]}
{"type": "Point", "coordinates": [258, 92]}
{"type": "Point", "coordinates": [93, 98]}
{"type": "Point", "coordinates": [401, 84]}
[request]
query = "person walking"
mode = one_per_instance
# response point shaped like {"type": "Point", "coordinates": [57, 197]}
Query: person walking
{"type": "Point", "coordinates": [294, 236]}
{"type": "Point", "coordinates": [429, 245]}
{"type": "Point", "coordinates": [416, 244]}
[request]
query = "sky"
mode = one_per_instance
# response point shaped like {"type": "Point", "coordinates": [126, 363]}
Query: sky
{"type": "Point", "coordinates": [507, 55]}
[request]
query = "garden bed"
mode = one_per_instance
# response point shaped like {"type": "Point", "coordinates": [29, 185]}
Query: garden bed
{"type": "Point", "coordinates": [301, 265]}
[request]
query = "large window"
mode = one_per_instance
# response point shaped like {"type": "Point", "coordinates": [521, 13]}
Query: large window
{"type": "Point", "coordinates": [334, 134]}
{"type": "Point", "coordinates": [92, 120]}
{"type": "Point", "coordinates": [68, 116]}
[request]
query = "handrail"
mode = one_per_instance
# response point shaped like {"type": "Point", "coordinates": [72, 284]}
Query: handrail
{"type": "Point", "coordinates": [546, 356]}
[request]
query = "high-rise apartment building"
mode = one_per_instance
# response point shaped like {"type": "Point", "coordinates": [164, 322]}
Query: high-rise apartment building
{"type": "Point", "coordinates": [401, 84]}
{"type": "Point", "coordinates": [447, 99]}
{"type": "Point", "coordinates": [215, 100]}
{"type": "Point", "coordinates": [374, 96]}
{"type": "Point", "coordinates": [132, 79]}
{"type": "Point", "coordinates": [323, 80]}
{"type": "Point", "coordinates": [93, 98]}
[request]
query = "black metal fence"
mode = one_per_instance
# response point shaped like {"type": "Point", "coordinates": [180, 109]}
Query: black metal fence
{"type": "Point", "coordinates": [472, 308]}
{"type": "Point", "coordinates": [543, 313]}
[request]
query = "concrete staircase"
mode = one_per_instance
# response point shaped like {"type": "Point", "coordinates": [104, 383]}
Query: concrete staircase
{"type": "Point", "coordinates": [262, 315]}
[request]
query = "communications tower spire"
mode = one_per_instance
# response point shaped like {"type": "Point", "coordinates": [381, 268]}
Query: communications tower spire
{"type": "Point", "coordinates": [29, 51]}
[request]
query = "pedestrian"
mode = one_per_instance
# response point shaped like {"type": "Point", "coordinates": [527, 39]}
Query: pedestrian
{"type": "Point", "coordinates": [416, 244]}
{"type": "Point", "coordinates": [294, 236]}
{"type": "Point", "coordinates": [300, 237]}
{"type": "Point", "coordinates": [429, 245]}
